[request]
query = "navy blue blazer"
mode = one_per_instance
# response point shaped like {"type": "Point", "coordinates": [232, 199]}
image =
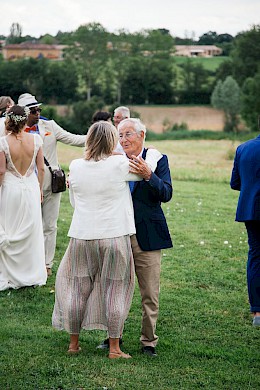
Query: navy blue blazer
{"type": "Point", "coordinates": [152, 232]}
{"type": "Point", "coordinates": [246, 179]}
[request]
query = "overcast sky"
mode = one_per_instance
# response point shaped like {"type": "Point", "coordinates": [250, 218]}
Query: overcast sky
{"type": "Point", "coordinates": [181, 17]}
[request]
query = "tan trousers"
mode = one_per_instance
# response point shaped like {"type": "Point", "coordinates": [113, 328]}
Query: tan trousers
{"type": "Point", "coordinates": [147, 269]}
{"type": "Point", "coordinates": [50, 214]}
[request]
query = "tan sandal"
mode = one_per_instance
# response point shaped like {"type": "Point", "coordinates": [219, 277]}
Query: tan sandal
{"type": "Point", "coordinates": [74, 351]}
{"type": "Point", "coordinates": [117, 355]}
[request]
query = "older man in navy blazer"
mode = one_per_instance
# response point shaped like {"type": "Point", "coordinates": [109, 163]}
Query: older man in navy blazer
{"type": "Point", "coordinates": [152, 234]}
{"type": "Point", "coordinates": [246, 179]}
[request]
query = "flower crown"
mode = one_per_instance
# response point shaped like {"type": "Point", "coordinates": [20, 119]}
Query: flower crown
{"type": "Point", "coordinates": [18, 118]}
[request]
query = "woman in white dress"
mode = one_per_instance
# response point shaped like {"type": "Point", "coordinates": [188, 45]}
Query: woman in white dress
{"type": "Point", "coordinates": [95, 279]}
{"type": "Point", "coordinates": [22, 260]}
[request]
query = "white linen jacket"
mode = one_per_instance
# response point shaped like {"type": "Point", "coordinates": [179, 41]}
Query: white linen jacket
{"type": "Point", "coordinates": [51, 132]}
{"type": "Point", "coordinates": [100, 195]}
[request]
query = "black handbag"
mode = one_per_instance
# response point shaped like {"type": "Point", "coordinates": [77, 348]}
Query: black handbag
{"type": "Point", "coordinates": [58, 178]}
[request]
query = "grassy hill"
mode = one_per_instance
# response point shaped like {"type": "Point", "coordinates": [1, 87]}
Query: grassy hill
{"type": "Point", "coordinates": [211, 63]}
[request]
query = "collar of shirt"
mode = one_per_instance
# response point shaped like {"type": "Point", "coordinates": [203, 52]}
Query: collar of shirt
{"type": "Point", "coordinates": [139, 155]}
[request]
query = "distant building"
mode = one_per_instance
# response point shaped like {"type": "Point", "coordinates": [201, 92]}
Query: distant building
{"type": "Point", "coordinates": [33, 50]}
{"type": "Point", "coordinates": [197, 50]}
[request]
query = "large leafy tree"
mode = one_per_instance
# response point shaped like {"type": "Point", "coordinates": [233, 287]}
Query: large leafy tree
{"type": "Point", "coordinates": [208, 38]}
{"type": "Point", "coordinates": [246, 54]}
{"type": "Point", "coordinates": [251, 101]}
{"type": "Point", "coordinates": [11, 80]}
{"type": "Point", "coordinates": [134, 56]}
{"type": "Point", "coordinates": [15, 35]}
{"type": "Point", "coordinates": [195, 84]}
{"type": "Point", "coordinates": [89, 53]}
{"type": "Point", "coordinates": [121, 48]}
{"type": "Point", "coordinates": [148, 81]}
{"type": "Point", "coordinates": [60, 83]}
{"type": "Point", "coordinates": [158, 42]}
{"type": "Point", "coordinates": [226, 97]}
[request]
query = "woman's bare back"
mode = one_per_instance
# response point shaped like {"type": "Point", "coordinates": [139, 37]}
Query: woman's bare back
{"type": "Point", "coordinates": [21, 147]}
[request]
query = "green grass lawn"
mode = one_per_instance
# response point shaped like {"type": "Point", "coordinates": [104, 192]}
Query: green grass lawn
{"type": "Point", "coordinates": [206, 338]}
{"type": "Point", "coordinates": [210, 63]}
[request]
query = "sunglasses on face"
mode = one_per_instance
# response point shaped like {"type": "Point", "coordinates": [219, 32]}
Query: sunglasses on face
{"type": "Point", "coordinates": [35, 110]}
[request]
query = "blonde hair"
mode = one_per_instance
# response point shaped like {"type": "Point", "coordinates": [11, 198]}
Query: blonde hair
{"type": "Point", "coordinates": [101, 140]}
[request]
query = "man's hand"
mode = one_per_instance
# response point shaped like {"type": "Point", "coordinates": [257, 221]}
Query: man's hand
{"type": "Point", "coordinates": [138, 166]}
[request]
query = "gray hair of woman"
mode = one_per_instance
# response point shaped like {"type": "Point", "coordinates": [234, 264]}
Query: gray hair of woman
{"type": "Point", "coordinates": [101, 140]}
{"type": "Point", "coordinates": [133, 122]}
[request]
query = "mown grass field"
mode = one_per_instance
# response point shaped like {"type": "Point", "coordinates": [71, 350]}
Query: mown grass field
{"type": "Point", "coordinates": [210, 63]}
{"type": "Point", "coordinates": [205, 328]}
{"type": "Point", "coordinates": [159, 118]}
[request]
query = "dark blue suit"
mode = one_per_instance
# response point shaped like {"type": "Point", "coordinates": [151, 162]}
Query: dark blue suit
{"type": "Point", "coordinates": [151, 228]}
{"type": "Point", "coordinates": [246, 179]}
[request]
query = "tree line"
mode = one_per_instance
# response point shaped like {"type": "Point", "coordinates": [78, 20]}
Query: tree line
{"type": "Point", "coordinates": [136, 68]}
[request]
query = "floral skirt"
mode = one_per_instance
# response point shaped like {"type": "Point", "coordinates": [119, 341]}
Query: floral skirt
{"type": "Point", "coordinates": [94, 286]}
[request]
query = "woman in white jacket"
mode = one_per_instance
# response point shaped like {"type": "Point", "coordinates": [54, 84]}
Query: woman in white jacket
{"type": "Point", "coordinates": [95, 279]}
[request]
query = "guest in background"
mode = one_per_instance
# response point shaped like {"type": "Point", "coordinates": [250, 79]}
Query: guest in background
{"type": "Point", "coordinates": [101, 116]}
{"type": "Point", "coordinates": [120, 113]}
{"type": "Point", "coordinates": [5, 103]}
{"type": "Point", "coordinates": [246, 179]}
{"type": "Point", "coordinates": [95, 279]}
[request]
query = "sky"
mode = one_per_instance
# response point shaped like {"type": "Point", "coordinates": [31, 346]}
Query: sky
{"type": "Point", "coordinates": [184, 18]}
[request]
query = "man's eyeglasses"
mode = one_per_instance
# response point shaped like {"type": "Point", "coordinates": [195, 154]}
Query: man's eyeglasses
{"type": "Point", "coordinates": [127, 135]}
{"type": "Point", "coordinates": [34, 110]}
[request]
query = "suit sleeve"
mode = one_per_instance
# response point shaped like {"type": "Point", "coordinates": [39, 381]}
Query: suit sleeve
{"type": "Point", "coordinates": [235, 182]}
{"type": "Point", "coordinates": [67, 137]}
{"type": "Point", "coordinates": [160, 181]}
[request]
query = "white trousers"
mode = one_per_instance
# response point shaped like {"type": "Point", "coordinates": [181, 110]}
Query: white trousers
{"type": "Point", "coordinates": [50, 214]}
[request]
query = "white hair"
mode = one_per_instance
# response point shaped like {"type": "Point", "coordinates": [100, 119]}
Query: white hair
{"type": "Point", "coordinates": [136, 124]}
{"type": "Point", "coordinates": [123, 110]}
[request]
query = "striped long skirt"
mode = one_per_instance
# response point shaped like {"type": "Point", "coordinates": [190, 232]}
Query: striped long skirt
{"type": "Point", "coordinates": [94, 286]}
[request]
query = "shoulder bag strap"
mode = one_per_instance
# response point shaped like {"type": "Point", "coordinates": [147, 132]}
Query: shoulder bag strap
{"type": "Point", "coordinates": [47, 163]}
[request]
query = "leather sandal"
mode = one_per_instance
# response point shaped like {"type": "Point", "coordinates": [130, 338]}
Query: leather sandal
{"type": "Point", "coordinates": [74, 351]}
{"type": "Point", "coordinates": [117, 355]}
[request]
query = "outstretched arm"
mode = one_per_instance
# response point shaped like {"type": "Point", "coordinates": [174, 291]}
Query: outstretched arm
{"type": "Point", "coordinates": [66, 137]}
